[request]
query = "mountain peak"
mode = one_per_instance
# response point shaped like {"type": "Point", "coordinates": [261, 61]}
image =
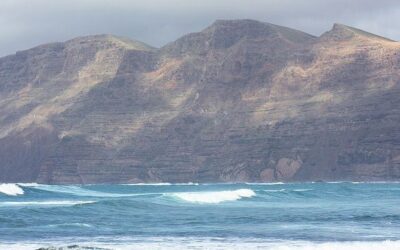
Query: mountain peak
{"type": "Point", "coordinates": [237, 23]}
{"type": "Point", "coordinates": [112, 39]}
{"type": "Point", "coordinates": [253, 29]}
{"type": "Point", "coordinates": [223, 34]}
{"type": "Point", "coordinates": [341, 32]}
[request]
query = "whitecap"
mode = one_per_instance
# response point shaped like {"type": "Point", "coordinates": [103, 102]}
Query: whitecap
{"type": "Point", "coordinates": [214, 197]}
{"type": "Point", "coordinates": [77, 224]}
{"type": "Point", "coordinates": [11, 189]}
{"type": "Point", "coordinates": [275, 190]}
{"type": "Point", "coordinates": [302, 190]}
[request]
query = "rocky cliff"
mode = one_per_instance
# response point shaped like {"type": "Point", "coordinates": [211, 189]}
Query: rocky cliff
{"type": "Point", "coordinates": [239, 101]}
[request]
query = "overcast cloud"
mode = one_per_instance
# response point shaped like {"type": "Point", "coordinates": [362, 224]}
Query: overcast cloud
{"type": "Point", "coordinates": [27, 23]}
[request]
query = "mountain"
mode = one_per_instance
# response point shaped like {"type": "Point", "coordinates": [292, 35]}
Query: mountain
{"type": "Point", "coordinates": [240, 101]}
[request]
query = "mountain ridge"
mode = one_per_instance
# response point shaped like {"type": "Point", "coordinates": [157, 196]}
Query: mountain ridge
{"type": "Point", "coordinates": [241, 100]}
{"type": "Point", "coordinates": [218, 22]}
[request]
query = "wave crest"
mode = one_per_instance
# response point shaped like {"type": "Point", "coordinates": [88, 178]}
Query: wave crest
{"type": "Point", "coordinates": [75, 190]}
{"type": "Point", "coordinates": [11, 189]}
{"type": "Point", "coordinates": [44, 203]}
{"type": "Point", "coordinates": [215, 197]}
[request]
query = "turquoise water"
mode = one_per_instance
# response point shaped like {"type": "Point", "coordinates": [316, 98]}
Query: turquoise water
{"type": "Point", "coordinates": [202, 216]}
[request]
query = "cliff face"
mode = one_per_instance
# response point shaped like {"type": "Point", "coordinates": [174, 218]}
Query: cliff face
{"type": "Point", "coordinates": [239, 101]}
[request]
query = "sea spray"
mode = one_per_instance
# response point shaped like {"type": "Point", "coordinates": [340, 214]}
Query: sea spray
{"type": "Point", "coordinates": [11, 189]}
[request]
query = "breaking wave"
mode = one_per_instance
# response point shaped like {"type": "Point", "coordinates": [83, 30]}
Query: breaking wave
{"type": "Point", "coordinates": [76, 191]}
{"type": "Point", "coordinates": [11, 189]}
{"type": "Point", "coordinates": [31, 184]}
{"type": "Point", "coordinates": [215, 197]}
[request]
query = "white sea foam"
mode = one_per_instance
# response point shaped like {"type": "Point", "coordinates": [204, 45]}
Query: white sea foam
{"type": "Point", "coordinates": [44, 203]}
{"type": "Point", "coordinates": [210, 244]}
{"type": "Point", "coordinates": [11, 189]}
{"type": "Point", "coordinates": [383, 245]}
{"type": "Point", "coordinates": [214, 197]}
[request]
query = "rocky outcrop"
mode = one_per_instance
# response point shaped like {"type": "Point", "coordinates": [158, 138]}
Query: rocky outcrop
{"type": "Point", "coordinates": [239, 101]}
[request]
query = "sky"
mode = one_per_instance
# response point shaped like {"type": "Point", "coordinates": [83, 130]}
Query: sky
{"type": "Point", "coordinates": [28, 23]}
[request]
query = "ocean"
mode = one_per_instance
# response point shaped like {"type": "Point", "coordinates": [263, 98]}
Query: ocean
{"type": "Point", "coordinates": [278, 216]}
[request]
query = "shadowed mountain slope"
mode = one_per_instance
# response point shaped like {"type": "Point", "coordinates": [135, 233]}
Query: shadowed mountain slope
{"type": "Point", "coordinates": [241, 100]}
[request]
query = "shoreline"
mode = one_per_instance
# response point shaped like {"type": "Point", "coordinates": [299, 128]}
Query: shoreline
{"type": "Point", "coordinates": [206, 243]}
